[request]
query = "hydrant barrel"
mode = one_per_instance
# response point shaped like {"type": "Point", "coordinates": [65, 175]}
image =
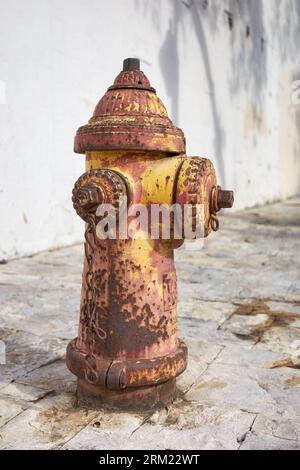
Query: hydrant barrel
{"type": "Point", "coordinates": [127, 353]}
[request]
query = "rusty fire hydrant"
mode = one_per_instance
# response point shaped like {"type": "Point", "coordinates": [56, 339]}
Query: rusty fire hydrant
{"type": "Point", "coordinates": [127, 353]}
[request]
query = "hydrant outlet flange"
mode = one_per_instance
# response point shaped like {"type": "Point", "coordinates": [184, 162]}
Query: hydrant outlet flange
{"type": "Point", "coordinates": [97, 187]}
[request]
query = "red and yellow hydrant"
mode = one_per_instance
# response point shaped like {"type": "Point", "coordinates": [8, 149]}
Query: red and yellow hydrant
{"type": "Point", "coordinates": [127, 353]}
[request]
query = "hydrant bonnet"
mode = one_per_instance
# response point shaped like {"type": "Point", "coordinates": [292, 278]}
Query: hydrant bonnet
{"type": "Point", "coordinates": [130, 116]}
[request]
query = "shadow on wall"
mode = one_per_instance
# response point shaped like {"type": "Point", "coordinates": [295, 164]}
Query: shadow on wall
{"type": "Point", "coordinates": [248, 43]}
{"type": "Point", "coordinates": [249, 48]}
{"type": "Point", "coordinates": [218, 131]}
{"type": "Point", "coordinates": [169, 64]}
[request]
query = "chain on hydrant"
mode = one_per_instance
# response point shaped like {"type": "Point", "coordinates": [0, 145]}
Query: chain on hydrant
{"type": "Point", "coordinates": [127, 352]}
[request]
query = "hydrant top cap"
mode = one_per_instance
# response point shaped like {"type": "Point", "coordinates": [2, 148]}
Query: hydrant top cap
{"type": "Point", "coordinates": [131, 64]}
{"type": "Point", "coordinates": [130, 116]}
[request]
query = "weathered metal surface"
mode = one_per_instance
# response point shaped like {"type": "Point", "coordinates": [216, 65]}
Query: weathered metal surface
{"type": "Point", "coordinates": [196, 180]}
{"type": "Point", "coordinates": [130, 116]}
{"type": "Point", "coordinates": [127, 349]}
{"type": "Point", "coordinates": [97, 187]}
{"type": "Point", "coordinates": [123, 373]}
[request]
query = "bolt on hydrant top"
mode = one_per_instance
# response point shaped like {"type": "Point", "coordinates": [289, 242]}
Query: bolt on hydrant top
{"type": "Point", "coordinates": [130, 116]}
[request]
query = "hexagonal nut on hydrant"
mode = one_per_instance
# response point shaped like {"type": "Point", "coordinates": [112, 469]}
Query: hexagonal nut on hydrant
{"type": "Point", "coordinates": [225, 199]}
{"type": "Point", "coordinates": [88, 197]}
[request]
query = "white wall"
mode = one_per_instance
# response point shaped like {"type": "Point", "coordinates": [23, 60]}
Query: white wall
{"type": "Point", "coordinates": [229, 91]}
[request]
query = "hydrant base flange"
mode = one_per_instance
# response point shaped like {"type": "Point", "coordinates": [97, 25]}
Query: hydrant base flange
{"type": "Point", "coordinates": [130, 399]}
{"type": "Point", "coordinates": [120, 374]}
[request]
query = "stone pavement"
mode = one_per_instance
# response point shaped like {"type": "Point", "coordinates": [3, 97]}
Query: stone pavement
{"type": "Point", "coordinates": [239, 313]}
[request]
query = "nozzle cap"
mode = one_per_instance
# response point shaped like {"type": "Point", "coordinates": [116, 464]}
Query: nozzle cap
{"type": "Point", "coordinates": [225, 199]}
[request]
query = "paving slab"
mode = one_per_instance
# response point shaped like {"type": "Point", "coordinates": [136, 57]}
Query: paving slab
{"type": "Point", "coordinates": [47, 424]}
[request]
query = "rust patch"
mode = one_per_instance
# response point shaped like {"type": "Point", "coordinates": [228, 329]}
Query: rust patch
{"type": "Point", "coordinates": [169, 290]}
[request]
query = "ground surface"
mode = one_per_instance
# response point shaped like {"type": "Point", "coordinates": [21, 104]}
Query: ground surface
{"type": "Point", "coordinates": [239, 313]}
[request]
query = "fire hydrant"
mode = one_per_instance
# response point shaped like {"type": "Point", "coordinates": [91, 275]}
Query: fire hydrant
{"type": "Point", "coordinates": [127, 353]}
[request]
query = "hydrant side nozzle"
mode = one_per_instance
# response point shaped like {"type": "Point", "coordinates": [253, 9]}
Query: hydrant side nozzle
{"type": "Point", "coordinates": [96, 187]}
